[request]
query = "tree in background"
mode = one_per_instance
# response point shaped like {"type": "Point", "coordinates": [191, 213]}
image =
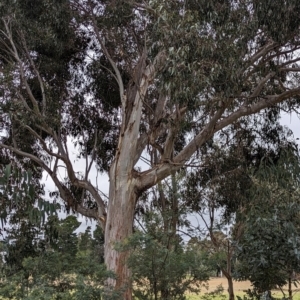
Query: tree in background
{"type": "Point", "coordinates": [162, 266]}
{"type": "Point", "coordinates": [220, 191]}
{"type": "Point", "coordinates": [50, 263]}
{"type": "Point", "coordinates": [268, 253]}
{"type": "Point", "coordinates": [126, 79]}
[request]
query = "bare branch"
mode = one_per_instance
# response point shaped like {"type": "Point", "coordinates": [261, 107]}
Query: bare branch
{"type": "Point", "coordinates": [79, 183]}
{"type": "Point", "coordinates": [41, 83]}
{"type": "Point", "coordinates": [28, 155]}
{"type": "Point", "coordinates": [247, 110]}
{"type": "Point", "coordinates": [261, 84]}
{"type": "Point", "coordinates": [44, 145]}
{"type": "Point", "coordinates": [263, 51]}
{"type": "Point", "coordinates": [112, 63]}
{"type": "Point", "coordinates": [88, 168]}
{"type": "Point", "coordinates": [23, 101]}
{"type": "Point", "coordinates": [290, 69]}
{"type": "Point", "coordinates": [22, 73]}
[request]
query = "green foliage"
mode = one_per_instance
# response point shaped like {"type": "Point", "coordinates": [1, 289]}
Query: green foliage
{"type": "Point", "coordinates": [268, 13]}
{"type": "Point", "coordinates": [85, 240]}
{"type": "Point", "coordinates": [268, 253]}
{"type": "Point", "coordinates": [224, 180]}
{"type": "Point", "coordinates": [162, 268]}
{"type": "Point", "coordinates": [51, 264]}
{"type": "Point", "coordinates": [20, 192]}
{"type": "Point", "coordinates": [215, 258]}
{"type": "Point", "coordinates": [217, 294]}
{"type": "Point", "coordinates": [208, 46]}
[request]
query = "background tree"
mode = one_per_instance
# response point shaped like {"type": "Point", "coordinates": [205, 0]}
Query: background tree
{"type": "Point", "coordinates": [268, 253]}
{"type": "Point", "coordinates": [220, 190]}
{"type": "Point", "coordinates": [215, 224]}
{"type": "Point", "coordinates": [50, 263]}
{"type": "Point", "coordinates": [162, 266]}
{"type": "Point", "coordinates": [125, 79]}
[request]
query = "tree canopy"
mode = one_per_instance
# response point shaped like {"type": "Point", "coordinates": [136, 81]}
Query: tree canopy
{"type": "Point", "coordinates": [267, 254]}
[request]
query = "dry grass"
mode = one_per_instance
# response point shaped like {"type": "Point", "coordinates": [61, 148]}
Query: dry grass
{"type": "Point", "coordinates": [239, 286]}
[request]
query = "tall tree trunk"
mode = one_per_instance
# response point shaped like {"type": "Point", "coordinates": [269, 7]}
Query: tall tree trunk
{"type": "Point", "coordinates": [122, 199]}
{"type": "Point", "coordinates": [123, 186]}
{"type": "Point", "coordinates": [119, 224]}
{"type": "Point", "coordinates": [227, 272]}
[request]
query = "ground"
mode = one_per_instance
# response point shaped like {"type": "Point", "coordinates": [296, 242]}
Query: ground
{"type": "Point", "coordinates": [239, 286]}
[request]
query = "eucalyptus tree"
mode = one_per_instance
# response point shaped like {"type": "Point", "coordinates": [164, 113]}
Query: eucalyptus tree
{"type": "Point", "coordinates": [267, 253]}
{"type": "Point", "coordinates": [162, 267]}
{"type": "Point", "coordinates": [215, 193]}
{"type": "Point", "coordinates": [128, 79]}
{"type": "Point", "coordinates": [222, 189]}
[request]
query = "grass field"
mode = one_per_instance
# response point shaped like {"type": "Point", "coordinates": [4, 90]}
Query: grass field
{"type": "Point", "coordinates": [239, 286]}
{"type": "Point", "coordinates": [239, 289]}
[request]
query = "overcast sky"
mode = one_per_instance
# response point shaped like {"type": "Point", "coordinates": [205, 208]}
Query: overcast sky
{"type": "Point", "coordinates": [293, 122]}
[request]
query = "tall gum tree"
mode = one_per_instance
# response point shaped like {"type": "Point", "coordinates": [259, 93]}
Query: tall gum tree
{"type": "Point", "coordinates": [131, 80]}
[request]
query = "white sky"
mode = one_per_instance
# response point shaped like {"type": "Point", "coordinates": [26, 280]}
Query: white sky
{"type": "Point", "coordinates": [293, 122]}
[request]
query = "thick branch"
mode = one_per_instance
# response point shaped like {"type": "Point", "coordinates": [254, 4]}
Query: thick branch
{"type": "Point", "coordinates": [128, 141]}
{"type": "Point", "coordinates": [160, 106]}
{"type": "Point", "coordinates": [85, 184]}
{"type": "Point", "coordinates": [151, 177]}
{"type": "Point", "coordinates": [261, 52]}
{"type": "Point", "coordinates": [261, 84]}
{"type": "Point", "coordinates": [246, 110]}
{"type": "Point", "coordinates": [89, 213]}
